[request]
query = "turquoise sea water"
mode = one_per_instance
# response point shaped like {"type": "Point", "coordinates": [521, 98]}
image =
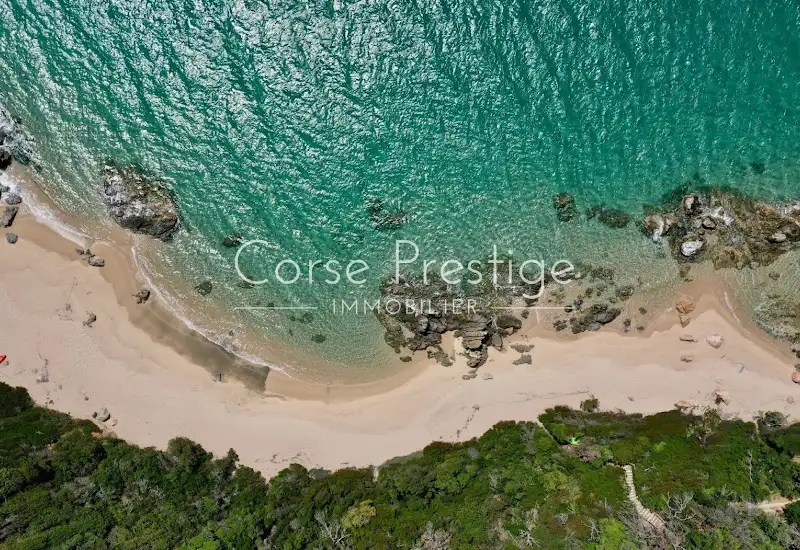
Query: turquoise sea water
{"type": "Point", "coordinates": [282, 120]}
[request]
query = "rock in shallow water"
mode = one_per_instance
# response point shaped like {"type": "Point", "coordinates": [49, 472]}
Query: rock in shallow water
{"type": "Point", "coordinates": [12, 199]}
{"type": "Point", "coordinates": [140, 203]}
{"type": "Point", "coordinates": [11, 238]}
{"type": "Point", "coordinates": [204, 288]}
{"type": "Point", "coordinates": [564, 204]}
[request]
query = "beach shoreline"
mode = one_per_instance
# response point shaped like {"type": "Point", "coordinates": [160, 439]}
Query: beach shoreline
{"type": "Point", "coordinates": [157, 389]}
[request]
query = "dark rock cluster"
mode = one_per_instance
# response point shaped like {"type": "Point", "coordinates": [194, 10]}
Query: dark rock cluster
{"type": "Point", "coordinates": [729, 229]}
{"type": "Point", "coordinates": [427, 314]}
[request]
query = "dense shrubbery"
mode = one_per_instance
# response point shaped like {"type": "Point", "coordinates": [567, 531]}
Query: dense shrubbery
{"type": "Point", "coordinates": [520, 485]}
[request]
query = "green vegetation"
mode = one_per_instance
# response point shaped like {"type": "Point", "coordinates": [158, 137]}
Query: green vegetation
{"type": "Point", "coordinates": [558, 484]}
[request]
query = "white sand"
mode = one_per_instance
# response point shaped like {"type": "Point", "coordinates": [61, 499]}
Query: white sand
{"type": "Point", "coordinates": [155, 394]}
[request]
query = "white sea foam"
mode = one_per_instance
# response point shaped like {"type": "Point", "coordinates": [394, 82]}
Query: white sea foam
{"type": "Point", "coordinates": [43, 213]}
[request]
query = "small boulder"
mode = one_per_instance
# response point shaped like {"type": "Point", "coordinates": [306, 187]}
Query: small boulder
{"type": "Point", "coordinates": [774, 275]}
{"type": "Point", "coordinates": [11, 238]}
{"type": "Point", "coordinates": [690, 248]}
{"type": "Point", "coordinates": [12, 199]}
{"type": "Point", "coordinates": [469, 376]}
{"type": "Point", "coordinates": [232, 241]}
{"type": "Point", "coordinates": [405, 358]}
{"type": "Point", "coordinates": [691, 204]}
{"type": "Point", "coordinates": [715, 340]}
{"type": "Point", "coordinates": [90, 320]}
{"type": "Point", "coordinates": [684, 320]}
{"type": "Point", "coordinates": [796, 377]}
{"type": "Point", "coordinates": [204, 288]}
{"type": "Point", "coordinates": [709, 223]}
{"type": "Point", "coordinates": [686, 338]}
{"type": "Point", "coordinates": [522, 348]}
{"type": "Point", "coordinates": [142, 296]}
{"type": "Point", "coordinates": [685, 305]}
{"type": "Point", "coordinates": [497, 341]}
{"type": "Point", "coordinates": [487, 376]}
{"type": "Point", "coordinates": [7, 219]}
{"type": "Point", "coordinates": [94, 261]}
{"type": "Point", "coordinates": [102, 415]}
{"type": "Point", "coordinates": [524, 359]}
{"type": "Point", "coordinates": [687, 358]}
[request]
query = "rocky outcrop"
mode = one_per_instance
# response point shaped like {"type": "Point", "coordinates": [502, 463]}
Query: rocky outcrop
{"type": "Point", "coordinates": [594, 317]}
{"type": "Point", "coordinates": [658, 225]}
{"type": "Point", "coordinates": [140, 203]}
{"type": "Point", "coordinates": [422, 313]}
{"type": "Point", "coordinates": [728, 228]}
{"type": "Point", "coordinates": [14, 143]}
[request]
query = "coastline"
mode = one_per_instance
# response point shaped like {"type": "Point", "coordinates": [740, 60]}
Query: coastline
{"type": "Point", "coordinates": [156, 377]}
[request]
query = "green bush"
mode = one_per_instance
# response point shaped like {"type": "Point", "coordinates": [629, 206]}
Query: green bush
{"type": "Point", "coordinates": [548, 486]}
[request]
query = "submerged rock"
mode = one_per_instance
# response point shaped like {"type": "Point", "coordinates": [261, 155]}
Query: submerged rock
{"type": "Point", "coordinates": [610, 217]}
{"type": "Point", "coordinates": [204, 288]}
{"type": "Point", "coordinates": [140, 203]}
{"type": "Point", "coordinates": [383, 218]}
{"type": "Point", "coordinates": [5, 159]}
{"type": "Point", "coordinates": [564, 204]}
{"type": "Point", "coordinates": [232, 241]}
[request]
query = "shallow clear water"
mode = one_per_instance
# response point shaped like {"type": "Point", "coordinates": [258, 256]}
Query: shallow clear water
{"type": "Point", "coordinates": [281, 120]}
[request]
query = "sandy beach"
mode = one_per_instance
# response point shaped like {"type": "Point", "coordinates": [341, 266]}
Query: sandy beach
{"type": "Point", "coordinates": [159, 388]}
